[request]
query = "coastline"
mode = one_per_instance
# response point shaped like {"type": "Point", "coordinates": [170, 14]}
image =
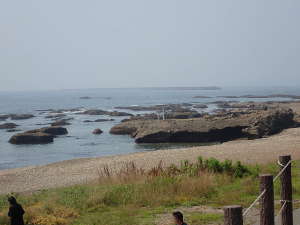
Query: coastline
{"type": "Point", "coordinates": [85, 170]}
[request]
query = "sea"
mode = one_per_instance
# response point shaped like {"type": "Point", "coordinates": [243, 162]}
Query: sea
{"type": "Point", "coordinates": [80, 142]}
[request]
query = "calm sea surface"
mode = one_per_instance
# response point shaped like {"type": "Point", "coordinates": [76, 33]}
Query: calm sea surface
{"type": "Point", "coordinates": [80, 142]}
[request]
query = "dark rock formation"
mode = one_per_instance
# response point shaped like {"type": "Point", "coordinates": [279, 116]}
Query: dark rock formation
{"type": "Point", "coordinates": [21, 116]}
{"type": "Point", "coordinates": [31, 138]}
{"type": "Point", "coordinates": [56, 116]}
{"type": "Point", "coordinates": [165, 107]}
{"type": "Point", "coordinates": [54, 130]}
{"type": "Point", "coordinates": [97, 131]}
{"type": "Point", "coordinates": [98, 120]}
{"type": "Point", "coordinates": [200, 106]}
{"type": "Point", "coordinates": [4, 117]}
{"type": "Point", "coordinates": [13, 130]}
{"type": "Point", "coordinates": [62, 122]}
{"type": "Point", "coordinates": [8, 126]}
{"type": "Point", "coordinates": [213, 128]}
{"type": "Point", "coordinates": [38, 136]}
{"type": "Point", "coordinates": [103, 120]}
{"type": "Point", "coordinates": [103, 112]}
{"type": "Point", "coordinates": [85, 97]}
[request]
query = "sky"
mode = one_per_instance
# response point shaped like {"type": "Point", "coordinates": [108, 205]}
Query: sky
{"type": "Point", "coordinates": [70, 44]}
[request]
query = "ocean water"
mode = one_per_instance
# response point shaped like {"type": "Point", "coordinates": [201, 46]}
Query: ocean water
{"type": "Point", "coordinates": [80, 142]}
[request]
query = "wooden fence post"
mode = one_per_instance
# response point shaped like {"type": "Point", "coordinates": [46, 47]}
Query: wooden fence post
{"type": "Point", "coordinates": [286, 191]}
{"type": "Point", "coordinates": [267, 200]}
{"type": "Point", "coordinates": [233, 215]}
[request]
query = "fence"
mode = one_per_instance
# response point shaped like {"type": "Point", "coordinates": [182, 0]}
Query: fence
{"type": "Point", "coordinates": [234, 215]}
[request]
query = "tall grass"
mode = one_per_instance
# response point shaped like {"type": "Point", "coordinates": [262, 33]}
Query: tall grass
{"type": "Point", "coordinates": [136, 192]}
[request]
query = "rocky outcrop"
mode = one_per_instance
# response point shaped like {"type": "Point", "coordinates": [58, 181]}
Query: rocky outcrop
{"type": "Point", "coordinates": [94, 112]}
{"type": "Point", "coordinates": [219, 128]}
{"type": "Point", "coordinates": [21, 116]}
{"type": "Point", "coordinates": [63, 122]}
{"type": "Point", "coordinates": [86, 97]}
{"type": "Point", "coordinates": [200, 106]}
{"type": "Point", "coordinates": [56, 116]}
{"type": "Point", "coordinates": [31, 138]}
{"type": "Point", "coordinates": [38, 136]}
{"type": "Point", "coordinates": [8, 126]}
{"type": "Point", "coordinates": [54, 130]}
{"type": "Point", "coordinates": [4, 117]}
{"type": "Point", "coordinates": [97, 121]}
{"type": "Point", "coordinates": [163, 107]}
{"type": "Point", "coordinates": [97, 131]}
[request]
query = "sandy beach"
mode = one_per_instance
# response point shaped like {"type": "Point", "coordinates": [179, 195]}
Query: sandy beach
{"type": "Point", "coordinates": [80, 171]}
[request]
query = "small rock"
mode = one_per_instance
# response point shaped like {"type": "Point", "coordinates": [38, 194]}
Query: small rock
{"type": "Point", "coordinates": [8, 126]}
{"type": "Point", "coordinates": [97, 131]}
{"type": "Point", "coordinates": [21, 116]}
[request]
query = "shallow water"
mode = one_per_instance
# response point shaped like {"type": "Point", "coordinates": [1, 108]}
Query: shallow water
{"type": "Point", "coordinates": [80, 142]}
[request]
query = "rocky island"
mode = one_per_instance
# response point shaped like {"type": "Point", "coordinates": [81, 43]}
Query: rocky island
{"type": "Point", "coordinates": [210, 128]}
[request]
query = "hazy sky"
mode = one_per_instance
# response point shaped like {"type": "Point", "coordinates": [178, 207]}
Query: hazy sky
{"type": "Point", "coordinates": [54, 44]}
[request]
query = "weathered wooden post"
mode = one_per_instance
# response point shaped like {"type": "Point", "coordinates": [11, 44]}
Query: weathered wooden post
{"type": "Point", "coordinates": [267, 200]}
{"type": "Point", "coordinates": [233, 215]}
{"type": "Point", "coordinates": [286, 190]}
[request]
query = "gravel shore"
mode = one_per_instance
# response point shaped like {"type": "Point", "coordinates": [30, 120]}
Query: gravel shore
{"type": "Point", "coordinates": [80, 171]}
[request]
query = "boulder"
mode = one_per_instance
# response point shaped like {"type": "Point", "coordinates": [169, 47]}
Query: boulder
{"type": "Point", "coordinates": [94, 112]}
{"type": "Point", "coordinates": [98, 120]}
{"type": "Point", "coordinates": [62, 122]}
{"type": "Point", "coordinates": [54, 130]}
{"type": "Point", "coordinates": [116, 113]}
{"type": "Point", "coordinates": [97, 131]}
{"type": "Point", "coordinates": [21, 116]}
{"type": "Point", "coordinates": [103, 120]}
{"type": "Point", "coordinates": [4, 117]}
{"type": "Point", "coordinates": [85, 97]}
{"type": "Point", "coordinates": [212, 128]}
{"type": "Point", "coordinates": [31, 138]}
{"type": "Point", "coordinates": [55, 116]}
{"type": "Point", "coordinates": [13, 130]}
{"type": "Point", "coordinates": [8, 126]}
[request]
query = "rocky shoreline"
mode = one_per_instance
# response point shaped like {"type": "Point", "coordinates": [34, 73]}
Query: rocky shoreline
{"type": "Point", "coordinates": [186, 122]}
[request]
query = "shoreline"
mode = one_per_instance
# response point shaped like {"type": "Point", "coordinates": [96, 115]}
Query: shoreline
{"type": "Point", "coordinates": [85, 170]}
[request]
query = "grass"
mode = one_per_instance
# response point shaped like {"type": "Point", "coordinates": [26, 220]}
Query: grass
{"type": "Point", "coordinates": [135, 196]}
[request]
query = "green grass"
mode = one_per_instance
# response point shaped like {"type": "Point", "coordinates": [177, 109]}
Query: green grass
{"type": "Point", "coordinates": [141, 198]}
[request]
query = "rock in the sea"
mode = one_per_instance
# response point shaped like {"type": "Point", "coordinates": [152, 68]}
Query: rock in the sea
{"type": "Point", "coordinates": [54, 130]}
{"type": "Point", "coordinates": [13, 130]}
{"type": "Point", "coordinates": [103, 120]}
{"type": "Point", "coordinates": [21, 116]}
{"type": "Point", "coordinates": [38, 136]}
{"type": "Point", "coordinates": [116, 113]}
{"type": "Point", "coordinates": [31, 138]}
{"type": "Point", "coordinates": [85, 97]}
{"type": "Point", "coordinates": [62, 122]}
{"type": "Point", "coordinates": [103, 112]}
{"type": "Point", "coordinates": [8, 126]}
{"type": "Point", "coordinates": [94, 112]}
{"type": "Point", "coordinates": [98, 120]}
{"type": "Point", "coordinates": [4, 117]}
{"type": "Point", "coordinates": [97, 131]}
{"type": "Point", "coordinates": [55, 116]}
{"type": "Point", "coordinates": [213, 128]}
{"type": "Point", "coordinates": [200, 106]}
